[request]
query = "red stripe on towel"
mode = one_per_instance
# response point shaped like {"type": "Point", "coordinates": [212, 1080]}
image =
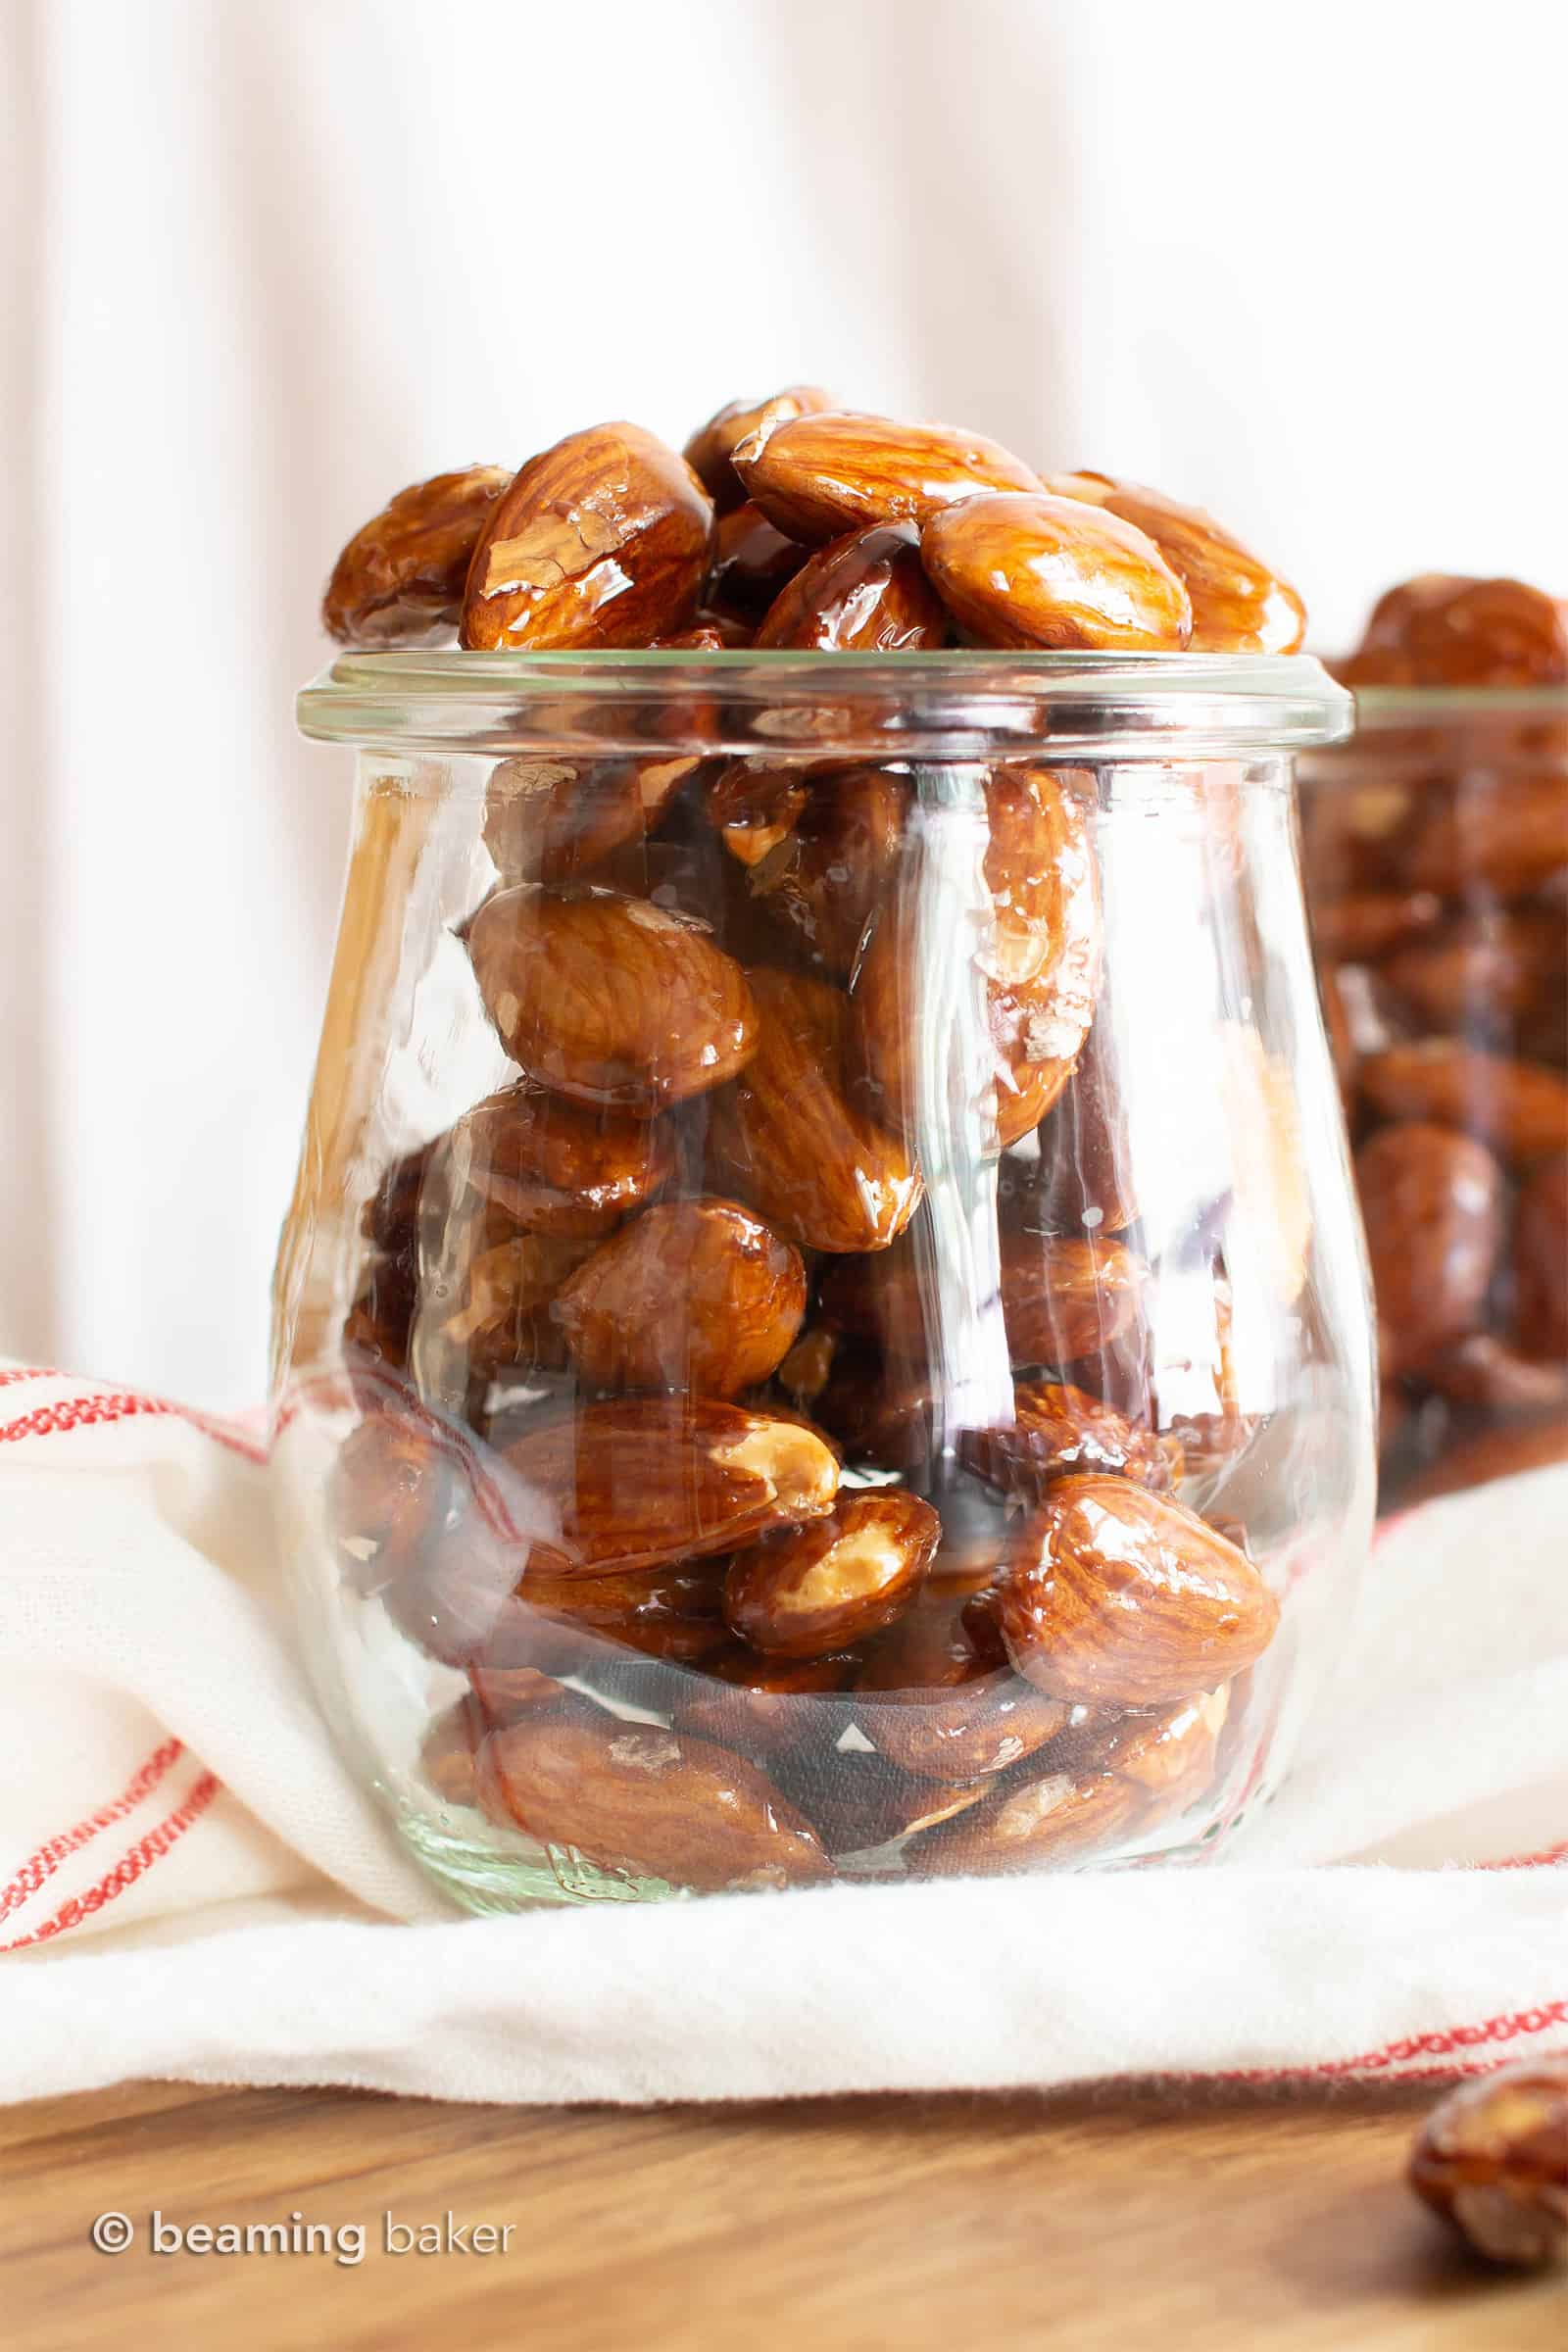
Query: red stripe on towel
{"type": "Point", "coordinates": [41, 1866]}
{"type": "Point", "coordinates": [128, 1869]}
{"type": "Point", "coordinates": [120, 1405]}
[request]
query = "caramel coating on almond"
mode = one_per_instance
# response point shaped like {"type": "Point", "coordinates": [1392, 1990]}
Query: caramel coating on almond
{"type": "Point", "coordinates": [673, 1612]}
{"type": "Point", "coordinates": [1540, 1263]}
{"type": "Point", "coordinates": [1518, 1107]}
{"type": "Point", "coordinates": [1448, 629]}
{"type": "Point", "coordinates": [1118, 1597]}
{"type": "Point", "coordinates": [1432, 1203]}
{"type": "Point", "coordinates": [825, 879]}
{"type": "Point", "coordinates": [819, 477]}
{"type": "Point", "coordinates": [1051, 1819]}
{"type": "Point", "coordinates": [833, 1583]}
{"type": "Point", "coordinates": [1058, 1431]}
{"type": "Point", "coordinates": [764, 1706]}
{"type": "Point", "coordinates": [609, 998]}
{"type": "Point", "coordinates": [556, 820]}
{"type": "Point", "coordinates": [1065, 1299]}
{"type": "Point", "coordinates": [501, 1319]}
{"type": "Point", "coordinates": [400, 579]}
{"type": "Point", "coordinates": [1493, 2160]}
{"type": "Point", "coordinates": [710, 451]}
{"type": "Point", "coordinates": [818, 1169]}
{"type": "Point", "coordinates": [864, 593]}
{"type": "Point", "coordinates": [642, 1482]}
{"type": "Point", "coordinates": [657, 1803]}
{"type": "Point", "coordinates": [545, 1165]}
{"type": "Point", "coordinates": [601, 541]}
{"type": "Point", "coordinates": [1024, 569]}
{"type": "Point", "coordinates": [695, 1295]}
{"type": "Point", "coordinates": [1239, 606]}
{"type": "Point", "coordinates": [1041, 959]}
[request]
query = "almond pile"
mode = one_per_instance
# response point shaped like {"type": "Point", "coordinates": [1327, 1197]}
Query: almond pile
{"type": "Point", "coordinates": [653, 1447]}
{"type": "Point", "coordinates": [1436, 866]}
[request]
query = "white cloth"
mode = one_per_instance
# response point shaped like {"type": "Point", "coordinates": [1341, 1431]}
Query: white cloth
{"type": "Point", "coordinates": [191, 1886]}
{"type": "Point", "coordinates": [264, 264]}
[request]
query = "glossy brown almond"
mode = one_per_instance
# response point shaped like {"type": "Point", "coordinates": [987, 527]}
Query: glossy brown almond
{"type": "Point", "coordinates": [1058, 1432]}
{"type": "Point", "coordinates": [819, 1170]}
{"type": "Point", "coordinates": [602, 540]}
{"type": "Point", "coordinates": [545, 1165]}
{"type": "Point", "coordinates": [1027, 570]}
{"type": "Point", "coordinates": [763, 1706]}
{"type": "Point", "coordinates": [500, 1694]}
{"type": "Point", "coordinates": [655, 1803]}
{"type": "Point", "coordinates": [753, 805]}
{"type": "Point", "coordinates": [1506, 1452]}
{"type": "Point", "coordinates": [381, 1315]}
{"type": "Point", "coordinates": [821, 476]}
{"type": "Point", "coordinates": [1482, 974]}
{"type": "Point", "coordinates": [611, 999]}
{"type": "Point", "coordinates": [695, 1295]}
{"type": "Point", "coordinates": [1449, 629]}
{"type": "Point", "coordinates": [881, 1419]}
{"type": "Point", "coordinates": [1507, 834]}
{"type": "Point", "coordinates": [712, 448]}
{"type": "Point", "coordinates": [1518, 1107]}
{"type": "Point", "coordinates": [826, 878]}
{"type": "Point", "coordinates": [1239, 606]}
{"type": "Point", "coordinates": [1169, 1752]}
{"type": "Point", "coordinates": [864, 593]}
{"type": "Point", "coordinates": [752, 562]}
{"type": "Point", "coordinates": [1540, 1263]}
{"type": "Point", "coordinates": [551, 820]}
{"type": "Point", "coordinates": [672, 1612]}
{"type": "Point", "coordinates": [450, 1753]}
{"type": "Point", "coordinates": [1041, 959]}
{"type": "Point", "coordinates": [863, 1802]}
{"type": "Point", "coordinates": [644, 1481]}
{"type": "Point", "coordinates": [1432, 1203]}
{"type": "Point", "coordinates": [502, 1320]}
{"type": "Point", "coordinates": [1065, 1299]}
{"type": "Point", "coordinates": [392, 1486]}
{"type": "Point", "coordinates": [1484, 1371]}
{"type": "Point", "coordinates": [390, 1217]}
{"type": "Point", "coordinates": [1114, 1596]}
{"type": "Point", "coordinates": [400, 579]}
{"type": "Point", "coordinates": [421, 1525]}
{"type": "Point", "coordinates": [1493, 2160]}
{"type": "Point", "coordinates": [1039, 1823]}
{"type": "Point", "coordinates": [825, 1586]}
{"type": "Point", "coordinates": [964, 1733]}
{"type": "Point", "coordinates": [1365, 924]}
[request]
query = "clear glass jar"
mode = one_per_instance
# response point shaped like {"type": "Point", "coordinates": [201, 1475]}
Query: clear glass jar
{"type": "Point", "coordinates": [1436, 851]}
{"type": "Point", "coordinates": [822, 1329]}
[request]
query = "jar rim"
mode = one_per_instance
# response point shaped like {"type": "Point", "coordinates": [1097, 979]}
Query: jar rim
{"type": "Point", "coordinates": [1379, 706]}
{"type": "Point", "coordinates": [950, 704]}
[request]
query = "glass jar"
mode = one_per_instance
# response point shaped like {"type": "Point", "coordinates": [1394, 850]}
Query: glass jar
{"type": "Point", "coordinates": [1436, 851]}
{"type": "Point", "coordinates": [822, 1329]}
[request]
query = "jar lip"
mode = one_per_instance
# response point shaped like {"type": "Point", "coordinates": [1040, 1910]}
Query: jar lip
{"type": "Point", "coordinates": [932, 705]}
{"type": "Point", "coordinates": [1415, 706]}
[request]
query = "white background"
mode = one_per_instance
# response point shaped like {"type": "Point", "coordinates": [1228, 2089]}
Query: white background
{"type": "Point", "coordinates": [268, 261]}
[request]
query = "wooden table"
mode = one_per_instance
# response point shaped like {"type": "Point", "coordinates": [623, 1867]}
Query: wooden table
{"type": "Point", "coordinates": [1092, 2224]}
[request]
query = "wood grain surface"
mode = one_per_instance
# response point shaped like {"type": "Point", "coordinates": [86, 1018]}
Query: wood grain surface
{"type": "Point", "coordinates": [1100, 2222]}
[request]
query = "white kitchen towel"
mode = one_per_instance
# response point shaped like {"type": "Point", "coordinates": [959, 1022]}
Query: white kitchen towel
{"type": "Point", "coordinates": [192, 1885]}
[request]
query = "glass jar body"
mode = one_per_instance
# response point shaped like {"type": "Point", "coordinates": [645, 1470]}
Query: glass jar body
{"type": "Point", "coordinates": [822, 1330]}
{"type": "Point", "coordinates": [1436, 851]}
